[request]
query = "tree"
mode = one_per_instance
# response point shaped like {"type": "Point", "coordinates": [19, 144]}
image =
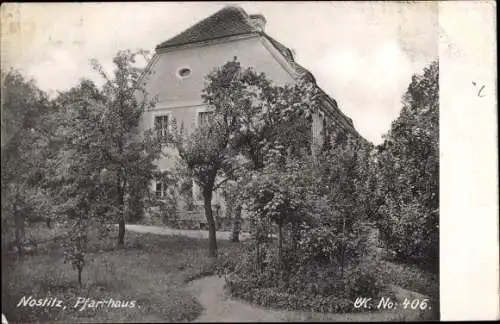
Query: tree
{"type": "Point", "coordinates": [102, 158]}
{"type": "Point", "coordinates": [279, 194]}
{"type": "Point", "coordinates": [310, 199]}
{"type": "Point", "coordinates": [407, 173]}
{"type": "Point", "coordinates": [82, 195]}
{"type": "Point", "coordinates": [262, 116]}
{"type": "Point", "coordinates": [206, 157]}
{"type": "Point", "coordinates": [129, 157]}
{"type": "Point", "coordinates": [343, 173]}
{"type": "Point", "coordinates": [231, 194]}
{"type": "Point", "coordinates": [25, 130]}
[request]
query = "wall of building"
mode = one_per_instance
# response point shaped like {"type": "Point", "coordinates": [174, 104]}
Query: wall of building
{"type": "Point", "coordinates": [181, 97]}
{"type": "Point", "coordinates": [201, 60]}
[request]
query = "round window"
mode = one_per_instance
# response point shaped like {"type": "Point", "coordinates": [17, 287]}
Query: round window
{"type": "Point", "coordinates": [184, 72]}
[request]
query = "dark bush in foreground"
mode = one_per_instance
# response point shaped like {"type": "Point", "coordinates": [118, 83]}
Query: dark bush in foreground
{"type": "Point", "coordinates": [257, 291]}
{"type": "Point", "coordinates": [307, 287]}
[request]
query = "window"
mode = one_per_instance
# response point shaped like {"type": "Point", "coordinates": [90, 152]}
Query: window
{"type": "Point", "coordinates": [161, 189]}
{"type": "Point", "coordinates": [184, 72]}
{"type": "Point", "coordinates": [161, 125]}
{"type": "Point", "coordinates": [204, 117]}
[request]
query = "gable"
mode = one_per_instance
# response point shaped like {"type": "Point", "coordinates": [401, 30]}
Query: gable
{"type": "Point", "coordinates": [217, 39]}
{"type": "Point", "coordinates": [172, 89]}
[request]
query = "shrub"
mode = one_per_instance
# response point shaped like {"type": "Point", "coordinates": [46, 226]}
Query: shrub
{"type": "Point", "coordinates": [405, 171]}
{"type": "Point", "coordinates": [274, 297]}
{"type": "Point", "coordinates": [363, 279]}
{"type": "Point", "coordinates": [308, 286]}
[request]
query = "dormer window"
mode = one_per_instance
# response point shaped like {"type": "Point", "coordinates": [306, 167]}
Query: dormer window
{"type": "Point", "coordinates": [184, 72]}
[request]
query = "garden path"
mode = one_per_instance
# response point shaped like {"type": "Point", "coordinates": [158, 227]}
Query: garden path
{"type": "Point", "coordinates": [219, 307]}
{"type": "Point", "coordinates": [163, 230]}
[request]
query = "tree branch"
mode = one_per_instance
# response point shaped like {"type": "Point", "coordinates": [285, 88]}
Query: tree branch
{"type": "Point", "coordinates": [217, 186]}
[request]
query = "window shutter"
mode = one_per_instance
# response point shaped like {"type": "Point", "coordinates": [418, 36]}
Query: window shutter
{"type": "Point", "coordinates": [165, 124]}
{"type": "Point", "coordinates": [158, 125]}
{"type": "Point", "coordinates": [158, 189]}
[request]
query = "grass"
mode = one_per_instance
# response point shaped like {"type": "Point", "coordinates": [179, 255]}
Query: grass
{"type": "Point", "coordinates": [153, 271]}
{"type": "Point", "coordinates": [150, 269]}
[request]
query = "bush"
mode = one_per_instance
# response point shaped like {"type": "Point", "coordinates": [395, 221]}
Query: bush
{"type": "Point", "coordinates": [308, 286]}
{"type": "Point", "coordinates": [363, 279]}
{"type": "Point", "coordinates": [309, 238]}
{"type": "Point", "coordinates": [414, 236]}
{"type": "Point", "coordinates": [325, 271]}
{"type": "Point", "coordinates": [405, 171]}
{"type": "Point", "coordinates": [248, 289]}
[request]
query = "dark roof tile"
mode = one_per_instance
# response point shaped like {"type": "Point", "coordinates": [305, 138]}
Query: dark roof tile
{"type": "Point", "coordinates": [229, 21]}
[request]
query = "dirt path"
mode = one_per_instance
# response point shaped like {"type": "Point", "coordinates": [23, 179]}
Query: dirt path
{"type": "Point", "coordinates": [163, 230]}
{"type": "Point", "coordinates": [218, 307]}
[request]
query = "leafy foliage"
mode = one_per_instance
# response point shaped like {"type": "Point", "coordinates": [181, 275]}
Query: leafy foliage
{"type": "Point", "coordinates": [313, 205]}
{"type": "Point", "coordinates": [129, 159]}
{"type": "Point", "coordinates": [26, 128]}
{"type": "Point", "coordinates": [406, 171]}
{"type": "Point", "coordinates": [261, 116]}
{"type": "Point", "coordinates": [205, 155]}
{"type": "Point", "coordinates": [263, 119]}
{"type": "Point", "coordinates": [102, 170]}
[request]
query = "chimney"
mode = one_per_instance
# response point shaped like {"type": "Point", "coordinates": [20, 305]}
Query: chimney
{"type": "Point", "coordinates": [258, 21]}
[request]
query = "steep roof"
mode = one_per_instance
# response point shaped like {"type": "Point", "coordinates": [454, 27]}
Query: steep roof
{"type": "Point", "coordinates": [233, 21]}
{"type": "Point", "coordinates": [230, 21]}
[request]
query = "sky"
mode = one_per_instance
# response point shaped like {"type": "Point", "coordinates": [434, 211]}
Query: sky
{"type": "Point", "coordinates": [363, 54]}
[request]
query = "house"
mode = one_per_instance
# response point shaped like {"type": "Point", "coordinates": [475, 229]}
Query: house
{"type": "Point", "coordinates": [180, 64]}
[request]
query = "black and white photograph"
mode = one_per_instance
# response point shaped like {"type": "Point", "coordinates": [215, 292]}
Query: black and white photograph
{"type": "Point", "coordinates": [222, 162]}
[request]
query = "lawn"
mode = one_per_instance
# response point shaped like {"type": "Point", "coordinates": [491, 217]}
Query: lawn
{"type": "Point", "coordinates": [150, 269]}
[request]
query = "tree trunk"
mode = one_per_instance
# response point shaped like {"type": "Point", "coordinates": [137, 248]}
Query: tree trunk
{"type": "Point", "coordinates": [212, 240]}
{"type": "Point", "coordinates": [19, 241]}
{"type": "Point", "coordinates": [121, 220]}
{"type": "Point", "coordinates": [80, 269]}
{"type": "Point", "coordinates": [237, 225]}
{"type": "Point", "coordinates": [121, 231]}
{"type": "Point", "coordinates": [258, 263]}
{"type": "Point", "coordinates": [280, 243]}
{"type": "Point", "coordinates": [342, 250]}
{"type": "Point", "coordinates": [19, 232]}
{"type": "Point", "coordinates": [295, 238]}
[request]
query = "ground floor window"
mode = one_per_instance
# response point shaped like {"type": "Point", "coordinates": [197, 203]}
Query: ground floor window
{"type": "Point", "coordinates": [204, 118]}
{"type": "Point", "coordinates": [161, 189]}
{"type": "Point", "coordinates": [161, 125]}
